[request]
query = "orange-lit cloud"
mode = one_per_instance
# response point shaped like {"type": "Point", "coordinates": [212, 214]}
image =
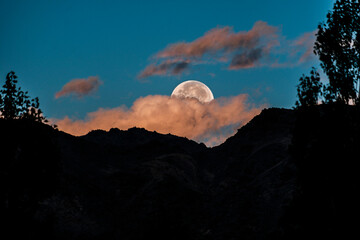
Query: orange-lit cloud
{"type": "Point", "coordinates": [79, 87]}
{"type": "Point", "coordinates": [224, 40]}
{"type": "Point", "coordinates": [245, 49]}
{"type": "Point", "coordinates": [305, 46]}
{"type": "Point", "coordinates": [263, 45]}
{"type": "Point", "coordinates": [211, 123]}
{"type": "Point", "coordinates": [298, 51]}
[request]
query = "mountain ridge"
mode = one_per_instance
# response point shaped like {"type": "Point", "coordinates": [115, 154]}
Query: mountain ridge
{"type": "Point", "coordinates": [138, 184]}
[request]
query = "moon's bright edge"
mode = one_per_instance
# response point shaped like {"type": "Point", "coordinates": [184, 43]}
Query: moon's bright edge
{"type": "Point", "coordinates": [193, 89]}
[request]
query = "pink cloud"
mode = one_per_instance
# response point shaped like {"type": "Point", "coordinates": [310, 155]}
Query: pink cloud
{"type": "Point", "coordinates": [245, 49]}
{"type": "Point", "coordinates": [305, 46]}
{"type": "Point", "coordinates": [79, 87]}
{"type": "Point", "coordinates": [262, 45]}
{"type": "Point", "coordinates": [188, 118]}
{"type": "Point", "coordinates": [223, 40]}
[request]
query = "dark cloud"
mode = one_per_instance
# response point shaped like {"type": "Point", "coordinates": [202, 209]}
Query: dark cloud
{"type": "Point", "coordinates": [180, 67]}
{"type": "Point", "coordinates": [168, 67]}
{"type": "Point", "coordinates": [247, 59]}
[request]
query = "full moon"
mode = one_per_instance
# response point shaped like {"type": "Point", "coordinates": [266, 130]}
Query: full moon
{"type": "Point", "coordinates": [193, 89]}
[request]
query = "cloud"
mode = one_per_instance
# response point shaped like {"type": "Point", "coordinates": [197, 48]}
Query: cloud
{"type": "Point", "coordinates": [211, 123]}
{"type": "Point", "coordinates": [241, 50]}
{"type": "Point", "coordinates": [305, 46]}
{"type": "Point", "coordinates": [168, 67]}
{"type": "Point", "coordinates": [218, 44]}
{"type": "Point", "coordinates": [223, 41]}
{"type": "Point", "coordinates": [79, 87]}
{"type": "Point", "coordinates": [298, 51]}
{"type": "Point", "coordinates": [247, 59]}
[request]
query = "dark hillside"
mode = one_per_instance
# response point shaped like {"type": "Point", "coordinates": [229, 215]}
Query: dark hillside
{"type": "Point", "coordinates": [255, 176]}
{"type": "Point", "coordinates": [325, 147]}
{"type": "Point", "coordinates": [274, 178]}
{"type": "Point", "coordinates": [29, 173]}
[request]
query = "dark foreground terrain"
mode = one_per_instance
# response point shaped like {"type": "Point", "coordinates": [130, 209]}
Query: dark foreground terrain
{"type": "Point", "coordinates": [285, 175]}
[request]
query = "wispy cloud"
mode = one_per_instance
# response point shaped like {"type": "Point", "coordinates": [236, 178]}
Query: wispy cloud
{"type": "Point", "coordinates": [79, 87]}
{"type": "Point", "coordinates": [256, 47]}
{"type": "Point", "coordinates": [304, 45]}
{"type": "Point", "coordinates": [211, 123]}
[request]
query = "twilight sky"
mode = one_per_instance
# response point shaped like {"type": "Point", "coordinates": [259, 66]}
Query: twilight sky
{"type": "Point", "coordinates": [119, 60]}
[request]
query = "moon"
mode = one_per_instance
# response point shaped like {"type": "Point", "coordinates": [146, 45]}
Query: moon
{"type": "Point", "coordinates": [193, 89]}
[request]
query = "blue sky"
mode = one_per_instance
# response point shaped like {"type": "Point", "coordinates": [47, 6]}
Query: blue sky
{"type": "Point", "coordinates": [49, 43]}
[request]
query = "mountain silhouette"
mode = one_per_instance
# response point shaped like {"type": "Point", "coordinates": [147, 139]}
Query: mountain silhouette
{"type": "Point", "coordinates": [265, 182]}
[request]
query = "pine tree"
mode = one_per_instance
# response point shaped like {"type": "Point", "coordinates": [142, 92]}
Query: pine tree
{"type": "Point", "coordinates": [16, 104]}
{"type": "Point", "coordinates": [8, 107]}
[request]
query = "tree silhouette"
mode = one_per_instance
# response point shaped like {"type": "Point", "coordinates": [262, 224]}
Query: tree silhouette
{"type": "Point", "coordinates": [309, 89]}
{"type": "Point", "coordinates": [338, 47]}
{"type": "Point", "coordinates": [16, 104]}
